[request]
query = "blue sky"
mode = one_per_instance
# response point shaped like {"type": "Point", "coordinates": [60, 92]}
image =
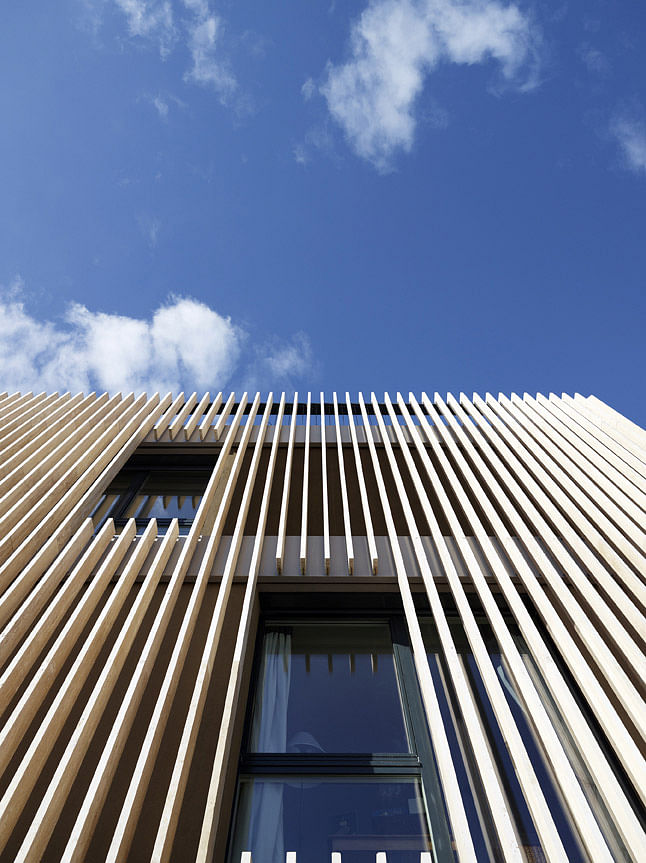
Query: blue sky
{"type": "Point", "coordinates": [397, 194]}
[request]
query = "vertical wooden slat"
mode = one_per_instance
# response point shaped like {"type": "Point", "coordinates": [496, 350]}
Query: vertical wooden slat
{"type": "Point", "coordinates": [168, 416]}
{"type": "Point", "coordinates": [177, 424]}
{"type": "Point", "coordinates": [365, 506]}
{"type": "Point", "coordinates": [198, 413]}
{"type": "Point", "coordinates": [326, 512]}
{"type": "Point", "coordinates": [205, 425]}
{"type": "Point", "coordinates": [284, 501]}
{"type": "Point", "coordinates": [306, 481]}
{"type": "Point", "coordinates": [349, 546]}
{"type": "Point", "coordinates": [221, 422]}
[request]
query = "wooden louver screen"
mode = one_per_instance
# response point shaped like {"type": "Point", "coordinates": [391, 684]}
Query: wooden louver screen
{"type": "Point", "coordinates": [540, 502]}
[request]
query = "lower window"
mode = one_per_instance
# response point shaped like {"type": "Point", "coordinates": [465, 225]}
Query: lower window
{"type": "Point", "coordinates": [317, 815]}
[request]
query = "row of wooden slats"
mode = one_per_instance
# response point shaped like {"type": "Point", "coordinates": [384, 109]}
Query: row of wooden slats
{"type": "Point", "coordinates": [560, 485]}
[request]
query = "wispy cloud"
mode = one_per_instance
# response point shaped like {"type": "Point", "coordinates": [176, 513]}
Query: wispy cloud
{"type": "Point", "coordinates": [173, 24]}
{"type": "Point", "coordinates": [151, 19]}
{"type": "Point", "coordinates": [162, 106]}
{"type": "Point", "coordinates": [208, 68]}
{"type": "Point", "coordinates": [630, 134]}
{"type": "Point", "coordinates": [184, 344]}
{"type": "Point", "coordinates": [595, 62]}
{"type": "Point", "coordinates": [396, 44]}
{"type": "Point", "coordinates": [149, 227]}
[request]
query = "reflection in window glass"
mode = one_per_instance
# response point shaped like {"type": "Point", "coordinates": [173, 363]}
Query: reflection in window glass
{"type": "Point", "coordinates": [149, 493]}
{"type": "Point", "coordinates": [315, 816]}
{"type": "Point", "coordinates": [471, 789]}
{"type": "Point", "coordinates": [588, 784]}
{"type": "Point", "coordinates": [328, 687]}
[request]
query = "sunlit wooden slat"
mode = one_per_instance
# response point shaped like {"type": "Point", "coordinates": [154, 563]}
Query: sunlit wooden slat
{"type": "Point", "coordinates": [284, 501]}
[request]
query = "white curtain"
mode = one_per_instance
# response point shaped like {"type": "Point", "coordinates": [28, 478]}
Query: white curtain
{"type": "Point", "coordinates": [269, 734]}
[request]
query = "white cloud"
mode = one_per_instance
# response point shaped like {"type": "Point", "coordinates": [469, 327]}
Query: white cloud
{"type": "Point", "coordinates": [184, 344]}
{"type": "Point", "coordinates": [282, 362]}
{"type": "Point", "coordinates": [395, 45]}
{"type": "Point", "coordinates": [162, 107]}
{"type": "Point", "coordinates": [190, 22]}
{"type": "Point", "coordinates": [595, 62]}
{"type": "Point", "coordinates": [630, 134]}
{"type": "Point", "coordinates": [151, 19]}
{"type": "Point", "coordinates": [308, 89]}
{"type": "Point", "coordinates": [291, 359]}
{"type": "Point", "coordinates": [301, 156]}
{"type": "Point", "coordinates": [150, 227]}
{"type": "Point", "coordinates": [203, 34]}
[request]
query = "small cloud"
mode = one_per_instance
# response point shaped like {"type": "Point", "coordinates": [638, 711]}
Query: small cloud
{"type": "Point", "coordinates": [318, 138]}
{"type": "Point", "coordinates": [167, 23]}
{"type": "Point", "coordinates": [396, 44]}
{"type": "Point", "coordinates": [151, 19]}
{"type": "Point", "coordinates": [595, 62]}
{"type": "Point", "coordinates": [630, 134]}
{"type": "Point", "coordinates": [280, 364]}
{"type": "Point", "coordinates": [290, 360]}
{"type": "Point", "coordinates": [203, 34]}
{"type": "Point", "coordinates": [301, 156]}
{"type": "Point", "coordinates": [161, 106]}
{"type": "Point", "coordinates": [308, 89]}
{"type": "Point", "coordinates": [162, 102]}
{"type": "Point", "coordinates": [255, 44]}
{"type": "Point", "coordinates": [149, 227]}
{"type": "Point", "coordinates": [184, 344]}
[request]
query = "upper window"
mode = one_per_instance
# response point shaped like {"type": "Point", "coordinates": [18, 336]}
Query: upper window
{"type": "Point", "coordinates": [160, 487]}
{"type": "Point", "coordinates": [328, 687]}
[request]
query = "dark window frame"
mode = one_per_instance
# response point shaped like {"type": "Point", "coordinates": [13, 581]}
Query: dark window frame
{"type": "Point", "coordinates": [143, 466]}
{"type": "Point", "coordinates": [418, 764]}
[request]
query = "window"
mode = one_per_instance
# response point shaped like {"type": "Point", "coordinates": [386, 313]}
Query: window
{"type": "Point", "coordinates": [337, 756]}
{"type": "Point", "coordinates": [163, 487]}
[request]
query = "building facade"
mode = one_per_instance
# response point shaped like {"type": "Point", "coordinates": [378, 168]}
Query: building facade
{"type": "Point", "coordinates": [251, 630]}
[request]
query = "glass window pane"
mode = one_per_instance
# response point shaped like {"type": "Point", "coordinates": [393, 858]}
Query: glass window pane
{"type": "Point", "coordinates": [328, 687]}
{"type": "Point", "coordinates": [315, 816]}
{"type": "Point", "coordinates": [522, 819]}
